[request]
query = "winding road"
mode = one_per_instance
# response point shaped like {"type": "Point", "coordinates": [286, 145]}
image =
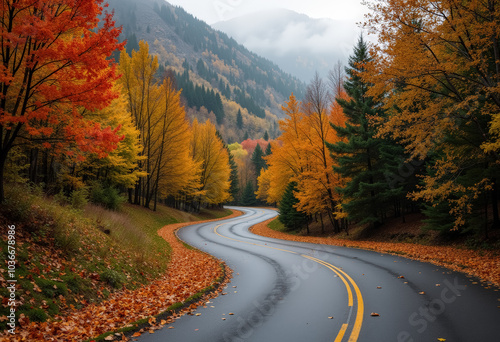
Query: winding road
{"type": "Point", "coordinates": [284, 291]}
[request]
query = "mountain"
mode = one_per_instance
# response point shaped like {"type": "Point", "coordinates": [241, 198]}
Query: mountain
{"type": "Point", "coordinates": [219, 77]}
{"type": "Point", "coordinates": [297, 43]}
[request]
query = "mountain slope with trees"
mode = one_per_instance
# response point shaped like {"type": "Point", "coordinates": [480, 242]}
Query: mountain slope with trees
{"type": "Point", "coordinates": [219, 77]}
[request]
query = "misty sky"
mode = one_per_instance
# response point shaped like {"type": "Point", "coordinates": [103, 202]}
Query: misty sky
{"type": "Point", "coordinates": [213, 11]}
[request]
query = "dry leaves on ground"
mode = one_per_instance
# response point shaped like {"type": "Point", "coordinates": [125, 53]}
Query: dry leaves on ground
{"type": "Point", "coordinates": [189, 272]}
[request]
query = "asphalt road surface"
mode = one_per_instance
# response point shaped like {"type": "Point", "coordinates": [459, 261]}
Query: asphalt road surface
{"type": "Point", "coordinates": [284, 291]}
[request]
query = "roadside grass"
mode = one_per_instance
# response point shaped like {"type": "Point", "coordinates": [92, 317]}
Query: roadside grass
{"type": "Point", "coordinates": [278, 226]}
{"type": "Point", "coordinates": [67, 257]}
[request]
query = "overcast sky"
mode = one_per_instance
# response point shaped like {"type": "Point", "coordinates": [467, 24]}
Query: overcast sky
{"type": "Point", "coordinates": [212, 11]}
{"type": "Point", "coordinates": [299, 47]}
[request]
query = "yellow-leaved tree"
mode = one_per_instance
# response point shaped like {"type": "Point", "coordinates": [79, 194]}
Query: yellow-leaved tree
{"type": "Point", "coordinates": [209, 151]}
{"type": "Point", "coordinates": [284, 164]}
{"type": "Point", "coordinates": [164, 131]}
{"type": "Point", "coordinates": [437, 69]}
{"type": "Point", "coordinates": [317, 182]}
{"type": "Point", "coordinates": [118, 167]}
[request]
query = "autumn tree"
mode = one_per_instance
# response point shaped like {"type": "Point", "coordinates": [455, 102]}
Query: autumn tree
{"type": "Point", "coordinates": [436, 69]}
{"type": "Point", "coordinates": [243, 163]}
{"type": "Point", "coordinates": [118, 167]}
{"type": "Point", "coordinates": [285, 163]}
{"type": "Point", "coordinates": [316, 182]}
{"type": "Point", "coordinates": [54, 64]}
{"type": "Point", "coordinates": [158, 114]}
{"type": "Point", "coordinates": [209, 151]}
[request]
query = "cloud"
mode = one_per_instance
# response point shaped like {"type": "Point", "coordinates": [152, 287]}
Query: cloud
{"type": "Point", "coordinates": [294, 40]}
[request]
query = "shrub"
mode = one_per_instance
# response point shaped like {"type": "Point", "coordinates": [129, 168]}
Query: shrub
{"type": "Point", "coordinates": [79, 199]}
{"type": "Point", "coordinates": [37, 315]}
{"type": "Point", "coordinates": [52, 289]}
{"type": "Point", "coordinates": [108, 196]}
{"type": "Point", "coordinates": [113, 278]}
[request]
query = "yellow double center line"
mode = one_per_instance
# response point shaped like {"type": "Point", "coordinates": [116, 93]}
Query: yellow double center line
{"type": "Point", "coordinates": [346, 279]}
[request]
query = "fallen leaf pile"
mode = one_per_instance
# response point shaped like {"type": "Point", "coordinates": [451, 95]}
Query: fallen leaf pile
{"type": "Point", "coordinates": [189, 272]}
{"type": "Point", "coordinates": [482, 264]}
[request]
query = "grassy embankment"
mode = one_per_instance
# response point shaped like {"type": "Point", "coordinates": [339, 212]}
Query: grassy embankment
{"type": "Point", "coordinates": [67, 257]}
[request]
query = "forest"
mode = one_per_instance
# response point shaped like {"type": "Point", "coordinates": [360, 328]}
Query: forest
{"type": "Point", "coordinates": [410, 125]}
{"type": "Point", "coordinates": [377, 139]}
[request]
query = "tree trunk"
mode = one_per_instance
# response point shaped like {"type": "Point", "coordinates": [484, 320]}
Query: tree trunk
{"type": "Point", "coordinates": [486, 216]}
{"type": "Point", "coordinates": [33, 170]}
{"type": "Point", "coordinates": [322, 224]}
{"type": "Point", "coordinates": [3, 159]}
{"type": "Point", "coordinates": [494, 202]}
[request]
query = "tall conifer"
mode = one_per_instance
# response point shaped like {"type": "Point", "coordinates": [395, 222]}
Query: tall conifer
{"type": "Point", "coordinates": [362, 158]}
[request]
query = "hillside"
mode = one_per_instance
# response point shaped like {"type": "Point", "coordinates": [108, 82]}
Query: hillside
{"type": "Point", "coordinates": [218, 76]}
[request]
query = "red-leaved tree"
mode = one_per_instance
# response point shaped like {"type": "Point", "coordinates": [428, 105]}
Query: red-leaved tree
{"type": "Point", "coordinates": [55, 67]}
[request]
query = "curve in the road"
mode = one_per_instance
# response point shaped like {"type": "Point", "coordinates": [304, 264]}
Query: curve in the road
{"type": "Point", "coordinates": [292, 292]}
{"type": "Point", "coordinates": [346, 279]}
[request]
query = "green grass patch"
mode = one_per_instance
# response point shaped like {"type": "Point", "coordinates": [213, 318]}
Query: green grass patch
{"type": "Point", "coordinates": [278, 226]}
{"type": "Point", "coordinates": [69, 256]}
{"type": "Point", "coordinates": [211, 214]}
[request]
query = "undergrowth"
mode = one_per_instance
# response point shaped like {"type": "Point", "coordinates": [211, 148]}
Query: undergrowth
{"type": "Point", "coordinates": [70, 255]}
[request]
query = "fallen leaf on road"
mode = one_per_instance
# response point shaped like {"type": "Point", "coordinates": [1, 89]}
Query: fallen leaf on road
{"type": "Point", "coordinates": [379, 287]}
{"type": "Point", "coordinates": [137, 334]}
{"type": "Point", "coordinates": [374, 314]}
{"type": "Point", "coordinates": [330, 317]}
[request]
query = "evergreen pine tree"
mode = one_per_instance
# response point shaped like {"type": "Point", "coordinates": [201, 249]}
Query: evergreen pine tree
{"type": "Point", "coordinates": [132, 44]}
{"type": "Point", "coordinates": [246, 136]}
{"type": "Point", "coordinates": [268, 151]}
{"type": "Point", "coordinates": [218, 108]}
{"type": "Point", "coordinates": [266, 136]}
{"type": "Point", "coordinates": [289, 216]}
{"type": "Point", "coordinates": [234, 189]}
{"type": "Point", "coordinates": [248, 198]}
{"type": "Point", "coordinates": [239, 120]}
{"type": "Point", "coordinates": [362, 158]}
{"type": "Point", "coordinates": [258, 162]}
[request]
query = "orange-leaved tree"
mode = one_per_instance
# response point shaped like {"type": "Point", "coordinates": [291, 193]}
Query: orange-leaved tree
{"type": "Point", "coordinates": [437, 68]}
{"type": "Point", "coordinates": [284, 164]}
{"type": "Point", "coordinates": [317, 181]}
{"type": "Point", "coordinates": [54, 63]}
